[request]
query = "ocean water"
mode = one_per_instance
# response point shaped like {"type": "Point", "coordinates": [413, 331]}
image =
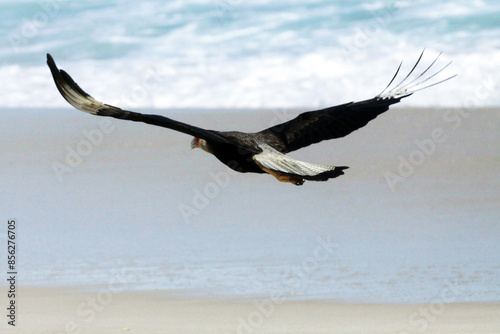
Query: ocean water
{"type": "Point", "coordinates": [138, 210]}
{"type": "Point", "coordinates": [246, 54]}
{"type": "Point", "coordinates": [143, 209]}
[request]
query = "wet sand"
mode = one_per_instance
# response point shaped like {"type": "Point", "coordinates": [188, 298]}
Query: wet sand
{"type": "Point", "coordinates": [71, 310]}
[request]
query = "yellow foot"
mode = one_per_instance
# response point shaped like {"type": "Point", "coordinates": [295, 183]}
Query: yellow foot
{"type": "Point", "coordinates": [298, 181]}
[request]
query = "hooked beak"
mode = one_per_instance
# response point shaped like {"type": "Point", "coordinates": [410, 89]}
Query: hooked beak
{"type": "Point", "coordinates": [193, 144]}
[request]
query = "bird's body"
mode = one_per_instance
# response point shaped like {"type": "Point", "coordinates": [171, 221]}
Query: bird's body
{"type": "Point", "coordinates": [264, 151]}
{"type": "Point", "coordinates": [237, 153]}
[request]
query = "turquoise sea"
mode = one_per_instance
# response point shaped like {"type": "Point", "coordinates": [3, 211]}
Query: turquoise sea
{"type": "Point", "coordinates": [244, 54]}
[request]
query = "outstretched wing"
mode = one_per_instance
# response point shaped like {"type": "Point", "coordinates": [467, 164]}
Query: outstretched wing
{"type": "Point", "coordinates": [334, 122]}
{"type": "Point", "coordinates": [84, 102]}
{"type": "Point", "coordinates": [338, 121]}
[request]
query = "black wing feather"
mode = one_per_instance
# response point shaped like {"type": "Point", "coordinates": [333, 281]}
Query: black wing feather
{"type": "Point", "coordinates": [83, 101]}
{"type": "Point", "coordinates": [334, 122]}
{"type": "Point", "coordinates": [339, 121]}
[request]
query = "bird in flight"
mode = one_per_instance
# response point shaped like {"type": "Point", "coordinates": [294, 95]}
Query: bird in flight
{"type": "Point", "coordinates": [265, 151]}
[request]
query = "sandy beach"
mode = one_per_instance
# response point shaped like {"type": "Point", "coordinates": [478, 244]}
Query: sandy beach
{"type": "Point", "coordinates": [70, 310]}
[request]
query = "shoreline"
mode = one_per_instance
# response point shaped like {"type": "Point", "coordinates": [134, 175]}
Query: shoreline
{"type": "Point", "coordinates": [69, 310]}
{"type": "Point", "coordinates": [395, 244]}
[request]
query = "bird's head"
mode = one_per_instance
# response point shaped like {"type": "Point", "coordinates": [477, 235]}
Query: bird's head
{"type": "Point", "coordinates": [195, 143]}
{"type": "Point", "coordinates": [201, 143]}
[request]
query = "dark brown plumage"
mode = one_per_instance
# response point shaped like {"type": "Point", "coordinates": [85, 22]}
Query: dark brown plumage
{"type": "Point", "coordinates": [263, 152]}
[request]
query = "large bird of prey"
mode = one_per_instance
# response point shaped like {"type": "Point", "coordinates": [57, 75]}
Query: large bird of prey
{"type": "Point", "coordinates": [265, 151]}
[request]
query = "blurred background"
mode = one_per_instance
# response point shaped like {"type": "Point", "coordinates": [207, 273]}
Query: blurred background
{"type": "Point", "coordinates": [93, 202]}
{"type": "Point", "coordinates": [237, 53]}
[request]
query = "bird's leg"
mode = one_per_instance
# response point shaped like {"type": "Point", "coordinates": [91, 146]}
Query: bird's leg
{"type": "Point", "coordinates": [298, 181]}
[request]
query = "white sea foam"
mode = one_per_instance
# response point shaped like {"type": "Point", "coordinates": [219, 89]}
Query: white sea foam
{"type": "Point", "coordinates": [245, 54]}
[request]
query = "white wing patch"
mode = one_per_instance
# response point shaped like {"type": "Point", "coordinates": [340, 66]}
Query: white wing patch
{"type": "Point", "coordinates": [272, 159]}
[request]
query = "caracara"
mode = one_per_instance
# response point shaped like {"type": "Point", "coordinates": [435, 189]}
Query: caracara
{"type": "Point", "coordinates": [265, 151]}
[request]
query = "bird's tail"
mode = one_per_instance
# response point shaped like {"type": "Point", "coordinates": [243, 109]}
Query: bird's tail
{"type": "Point", "coordinates": [287, 169]}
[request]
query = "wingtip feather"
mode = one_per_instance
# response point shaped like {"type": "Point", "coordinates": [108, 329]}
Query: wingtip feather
{"type": "Point", "coordinates": [406, 88]}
